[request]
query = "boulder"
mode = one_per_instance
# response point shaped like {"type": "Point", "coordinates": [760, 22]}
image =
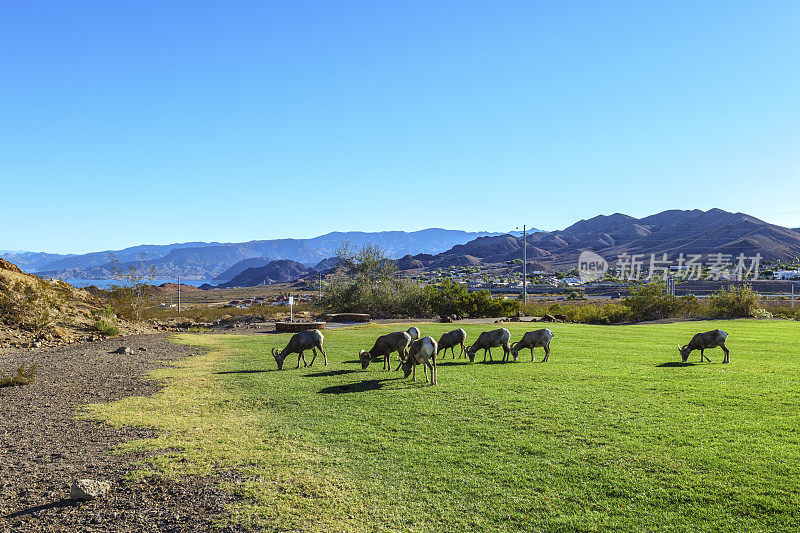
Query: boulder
{"type": "Point", "coordinates": [123, 350]}
{"type": "Point", "coordinates": [88, 489]}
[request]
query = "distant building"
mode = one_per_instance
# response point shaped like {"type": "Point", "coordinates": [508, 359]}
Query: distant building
{"type": "Point", "coordinates": [787, 274]}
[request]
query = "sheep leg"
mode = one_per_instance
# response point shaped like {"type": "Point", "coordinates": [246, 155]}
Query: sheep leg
{"type": "Point", "coordinates": [413, 371]}
{"type": "Point", "coordinates": [703, 355]}
{"type": "Point", "coordinates": [425, 371]}
{"type": "Point", "coordinates": [313, 358]}
{"type": "Point", "coordinates": [300, 356]}
{"type": "Point", "coordinates": [434, 372]}
{"type": "Point", "coordinates": [321, 349]}
{"type": "Point", "coordinates": [546, 353]}
{"type": "Point", "coordinates": [532, 359]}
{"type": "Point", "coordinates": [727, 358]}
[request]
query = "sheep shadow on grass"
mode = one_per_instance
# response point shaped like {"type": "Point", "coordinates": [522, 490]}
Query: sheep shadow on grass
{"type": "Point", "coordinates": [361, 386]}
{"type": "Point", "coordinates": [329, 373]}
{"type": "Point", "coordinates": [245, 371]}
{"type": "Point", "coordinates": [675, 364]}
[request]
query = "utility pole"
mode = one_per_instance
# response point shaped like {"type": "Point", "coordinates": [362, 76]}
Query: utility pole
{"type": "Point", "coordinates": [524, 266]}
{"type": "Point", "coordinates": [179, 292]}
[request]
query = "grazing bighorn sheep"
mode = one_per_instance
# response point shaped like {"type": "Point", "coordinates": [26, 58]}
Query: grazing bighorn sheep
{"type": "Point", "coordinates": [398, 341]}
{"type": "Point", "coordinates": [488, 340]}
{"type": "Point", "coordinates": [422, 351]}
{"type": "Point", "coordinates": [414, 332]}
{"type": "Point", "coordinates": [300, 342]}
{"type": "Point", "coordinates": [451, 339]}
{"type": "Point", "coordinates": [704, 341]}
{"type": "Point", "coordinates": [531, 339]}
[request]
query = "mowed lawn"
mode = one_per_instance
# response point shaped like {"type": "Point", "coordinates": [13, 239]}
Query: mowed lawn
{"type": "Point", "coordinates": [611, 434]}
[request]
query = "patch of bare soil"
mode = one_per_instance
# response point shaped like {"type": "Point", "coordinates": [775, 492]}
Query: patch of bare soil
{"type": "Point", "coordinates": [43, 448]}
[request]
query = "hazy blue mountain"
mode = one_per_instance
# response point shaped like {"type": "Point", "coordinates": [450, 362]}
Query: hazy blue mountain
{"type": "Point", "coordinates": [133, 253]}
{"type": "Point", "coordinates": [30, 261]}
{"type": "Point", "coordinates": [201, 260]}
{"type": "Point", "coordinates": [396, 243]}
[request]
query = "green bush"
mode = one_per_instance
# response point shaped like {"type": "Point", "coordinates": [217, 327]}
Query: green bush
{"type": "Point", "coordinates": [733, 302]}
{"type": "Point", "coordinates": [24, 375]}
{"type": "Point", "coordinates": [106, 327]}
{"type": "Point", "coordinates": [105, 321]}
{"type": "Point", "coordinates": [651, 302]}
{"type": "Point", "coordinates": [575, 294]}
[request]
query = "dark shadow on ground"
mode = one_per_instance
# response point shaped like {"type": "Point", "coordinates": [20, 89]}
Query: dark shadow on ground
{"type": "Point", "coordinates": [451, 363]}
{"type": "Point", "coordinates": [246, 371]}
{"type": "Point", "coordinates": [353, 361]}
{"type": "Point", "coordinates": [361, 386]}
{"type": "Point", "coordinates": [67, 502]}
{"type": "Point", "coordinates": [329, 373]}
{"type": "Point", "coordinates": [674, 364]}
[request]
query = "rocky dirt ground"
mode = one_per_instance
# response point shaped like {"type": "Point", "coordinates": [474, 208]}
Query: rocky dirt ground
{"type": "Point", "coordinates": [43, 447]}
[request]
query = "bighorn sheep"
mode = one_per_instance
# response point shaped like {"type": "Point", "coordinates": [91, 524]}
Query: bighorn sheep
{"type": "Point", "coordinates": [398, 341]}
{"type": "Point", "coordinates": [451, 339]}
{"type": "Point", "coordinates": [300, 342]}
{"type": "Point", "coordinates": [414, 332]}
{"type": "Point", "coordinates": [704, 341]}
{"type": "Point", "coordinates": [531, 339]}
{"type": "Point", "coordinates": [488, 340]}
{"type": "Point", "coordinates": [422, 351]}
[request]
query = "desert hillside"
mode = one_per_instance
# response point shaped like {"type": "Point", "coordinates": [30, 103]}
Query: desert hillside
{"type": "Point", "coordinates": [36, 312]}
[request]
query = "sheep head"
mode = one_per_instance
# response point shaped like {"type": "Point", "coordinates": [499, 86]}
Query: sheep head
{"type": "Point", "coordinates": [515, 351]}
{"type": "Point", "coordinates": [279, 359]}
{"type": "Point", "coordinates": [684, 351]}
{"type": "Point", "coordinates": [471, 353]}
{"type": "Point", "coordinates": [365, 358]}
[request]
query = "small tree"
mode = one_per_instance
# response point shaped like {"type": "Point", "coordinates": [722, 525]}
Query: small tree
{"type": "Point", "coordinates": [133, 294]}
{"type": "Point", "coordinates": [372, 287]}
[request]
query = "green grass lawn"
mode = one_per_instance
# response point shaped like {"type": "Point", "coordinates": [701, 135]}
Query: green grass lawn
{"type": "Point", "coordinates": [611, 434]}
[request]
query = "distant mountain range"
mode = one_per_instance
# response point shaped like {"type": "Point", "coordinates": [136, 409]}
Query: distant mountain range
{"type": "Point", "coordinates": [207, 260]}
{"type": "Point", "coordinates": [669, 232]}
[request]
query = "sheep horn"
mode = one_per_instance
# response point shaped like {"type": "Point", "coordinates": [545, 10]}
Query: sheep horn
{"type": "Point", "coordinates": [273, 352]}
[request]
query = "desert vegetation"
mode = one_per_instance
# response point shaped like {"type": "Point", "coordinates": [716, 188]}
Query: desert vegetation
{"type": "Point", "coordinates": [24, 374]}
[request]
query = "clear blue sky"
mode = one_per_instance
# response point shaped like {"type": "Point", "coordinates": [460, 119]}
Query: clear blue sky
{"type": "Point", "coordinates": [124, 123]}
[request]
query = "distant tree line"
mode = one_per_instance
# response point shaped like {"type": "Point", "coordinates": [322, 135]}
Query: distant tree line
{"type": "Point", "coordinates": [370, 285]}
